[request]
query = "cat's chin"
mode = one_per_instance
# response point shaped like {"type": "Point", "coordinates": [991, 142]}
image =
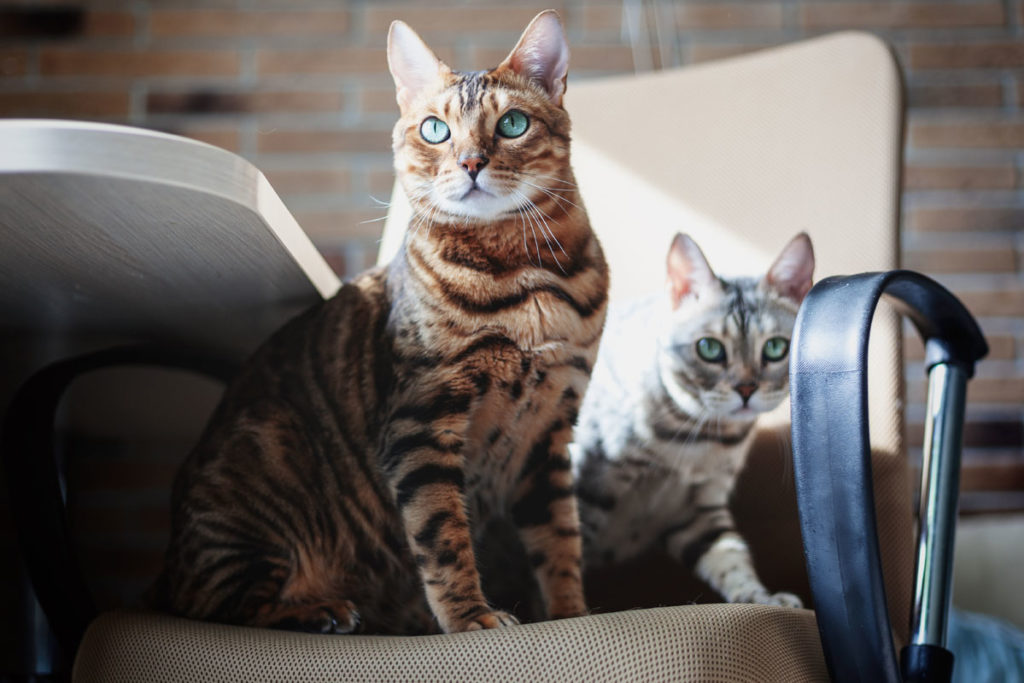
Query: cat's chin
{"type": "Point", "coordinates": [480, 205]}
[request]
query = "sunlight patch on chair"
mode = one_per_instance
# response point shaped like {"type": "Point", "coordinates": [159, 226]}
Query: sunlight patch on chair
{"type": "Point", "coordinates": [636, 221]}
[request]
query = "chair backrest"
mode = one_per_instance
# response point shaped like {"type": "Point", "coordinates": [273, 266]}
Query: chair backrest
{"type": "Point", "coordinates": [742, 154]}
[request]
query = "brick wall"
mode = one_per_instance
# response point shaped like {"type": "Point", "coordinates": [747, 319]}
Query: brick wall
{"type": "Point", "coordinates": [300, 87]}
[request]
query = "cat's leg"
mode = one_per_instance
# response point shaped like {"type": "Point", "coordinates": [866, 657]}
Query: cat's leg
{"type": "Point", "coordinates": [729, 569]}
{"type": "Point", "coordinates": [711, 546]}
{"type": "Point", "coordinates": [424, 468]}
{"type": "Point", "coordinates": [238, 588]}
{"type": "Point", "coordinates": [544, 511]}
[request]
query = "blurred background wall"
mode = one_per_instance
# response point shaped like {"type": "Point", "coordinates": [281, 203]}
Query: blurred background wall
{"type": "Point", "coordinates": [301, 89]}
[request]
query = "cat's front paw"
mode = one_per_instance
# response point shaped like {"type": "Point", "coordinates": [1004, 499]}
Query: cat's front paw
{"type": "Point", "coordinates": [576, 608]}
{"type": "Point", "coordinates": [486, 618]}
{"type": "Point", "coordinates": [781, 599]}
{"type": "Point", "coordinates": [336, 617]}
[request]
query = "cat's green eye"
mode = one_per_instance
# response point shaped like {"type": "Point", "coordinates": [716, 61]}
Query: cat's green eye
{"type": "Point", "coordinates": [513, 124]}
{"type": "Point", "coordinates": [711, 350]}
{"type": "Point", "coordinates": [775, 349]}
{"type": "Point", "coordinates": [434, 130]}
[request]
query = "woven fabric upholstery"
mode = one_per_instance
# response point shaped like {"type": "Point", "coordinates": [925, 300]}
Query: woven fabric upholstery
{"type": "Point", "coordinates": [741, 643]}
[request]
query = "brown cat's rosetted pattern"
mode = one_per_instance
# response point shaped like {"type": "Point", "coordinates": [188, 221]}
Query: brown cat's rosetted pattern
{"type": "Point", "coordinates": [350, 468]}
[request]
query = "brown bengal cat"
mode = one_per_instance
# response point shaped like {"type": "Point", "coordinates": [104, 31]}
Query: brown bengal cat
{"type": "Point", "coordinates": [341, 479]}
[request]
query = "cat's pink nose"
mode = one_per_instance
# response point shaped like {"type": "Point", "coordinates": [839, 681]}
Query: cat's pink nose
{"type": "Point", "coordinates": [746, 390]}
{"type": "Point", "coordinates": [473, 163]}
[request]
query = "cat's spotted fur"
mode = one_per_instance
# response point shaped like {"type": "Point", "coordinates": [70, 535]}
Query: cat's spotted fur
{"type": "Point", "coordinates": [344, 475]}
{"type": "Point", "coordinates": [663, 432]}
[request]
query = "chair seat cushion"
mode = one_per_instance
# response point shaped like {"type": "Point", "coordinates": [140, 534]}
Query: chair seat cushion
{"type": "Point", "coordinates": [693, 642]}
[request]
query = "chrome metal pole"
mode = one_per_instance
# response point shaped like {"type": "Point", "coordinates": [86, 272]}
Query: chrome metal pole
{"type": "Point", "coordinates": [940, 489]}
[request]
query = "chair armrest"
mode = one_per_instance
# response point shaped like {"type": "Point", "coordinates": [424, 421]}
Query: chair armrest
{"type": "Point", "coordinates": [36, 483]}
{"type": "Point", "coordinates": [832, 463]}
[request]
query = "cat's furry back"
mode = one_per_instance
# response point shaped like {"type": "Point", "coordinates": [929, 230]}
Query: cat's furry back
{"type": "Point", "coordinates": [664, 432]}
{"type": "Point", "coordinates": [344, 476]}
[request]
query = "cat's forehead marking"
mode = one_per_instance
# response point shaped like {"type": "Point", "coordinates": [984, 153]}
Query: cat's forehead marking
{"type": "Point", "coordinates": [739, 307]}
{"type": "Point", "coordinates": [471, 89]}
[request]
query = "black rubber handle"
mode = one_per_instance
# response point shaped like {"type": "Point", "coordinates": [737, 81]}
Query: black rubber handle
{"type": "Point", "coordinates": [832, 453]}
{"type": "Point", "coordinates": [34, 478]}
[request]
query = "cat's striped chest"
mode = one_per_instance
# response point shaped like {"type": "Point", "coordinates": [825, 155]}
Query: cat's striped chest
{"type": "Point", "coordinates": [646, 492]}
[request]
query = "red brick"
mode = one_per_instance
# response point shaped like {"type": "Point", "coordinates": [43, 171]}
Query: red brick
{"type": "Point", "coordinates": [981, 95]}
{"type": "Point", "coordinates": [961, 260]}
{"type": "Point", "coordinates": [972, 133]}
{"type": "Point", "coordinates": [978, 434]}
{"type": "Point", "coordinates": [426, 19]}
{"type": "Point", "coordinates": [313, 141]}
{"type": "Point", "coordinates": [310, 180]}
{"type": "Point", "coordinates": [996, 390]}
{"type": "Point", "coordinates": [13, 62]}
{"type": "Point", "coordinates": [968, 55]}
{"type": "Point", "coordinates": [108, 24]}
{"type": "Point", "coordinates": [336, 259]}
{"type": "Point", "coordinates": [728, 15]}
{"type": "Point", "coordinates": [65, 61]}
{"type": "Point", "coordinates": [380, 182]}
{"type": "Point", "coordinates": [227, 23]}
{"type": "Point", "coordinates": [996, 476]}
{"type": "Point", "coordinates": [601, 58]}
{"type": "Point", "coordinates": [1006, 390]}
{"type": "Point", "coordinates": [225, 138]}
{"type": "Point", "coordinates": [959, 177]}
{"type": "Point", "coordinates": [1006, 302]}
{"type": "Point", "coordinates": [378, 101]}
{"type": "Point", "coordinates": [594, 18]}
{"type": "Point", "coordinates": [347, 60]}
{"type": "Point", "coordinates": [889, 15]}
{"type": "Point", "coordinates": [220, 102]}
{"type": "Point", "coordinates": [332, 226]}
{"type": "Point", "coordinates": [487, 56]}
{"type": "Point", "coordinates": [1000, 347]}
{"type": "Point", "coordinates": [350, 258]}
{"type": "Point", "coordinates": [587, 57]}
{"type": "Point", "coordinates": [965, 218]}
{"type": "Point", "coordinates": [65, 104]}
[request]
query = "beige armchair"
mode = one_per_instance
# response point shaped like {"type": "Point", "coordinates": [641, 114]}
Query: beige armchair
{"type": "Point", "coordinates": [741, 154]}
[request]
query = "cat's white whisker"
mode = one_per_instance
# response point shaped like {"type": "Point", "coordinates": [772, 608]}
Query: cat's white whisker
{"type": "Point", "coordinates": [554, 197]}
{"type": "Point", "coordinates": [552, 233]}
{"type": "Point", "coordinates": [545, 230]}
{"type": "Point", "coordinates": [551, 177]}
{"type": "Point", "coordinates": [526, 206]}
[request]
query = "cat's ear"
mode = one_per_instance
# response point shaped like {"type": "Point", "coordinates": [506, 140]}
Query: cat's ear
{"type": "Point", "coordinates": [688, 271]}
{"type": "Point", "coordinates": [413, 65]}
{"type": "Point", "coordinates": [791, 273]}
{"type": "Point", "coordinates": [542, 55]}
